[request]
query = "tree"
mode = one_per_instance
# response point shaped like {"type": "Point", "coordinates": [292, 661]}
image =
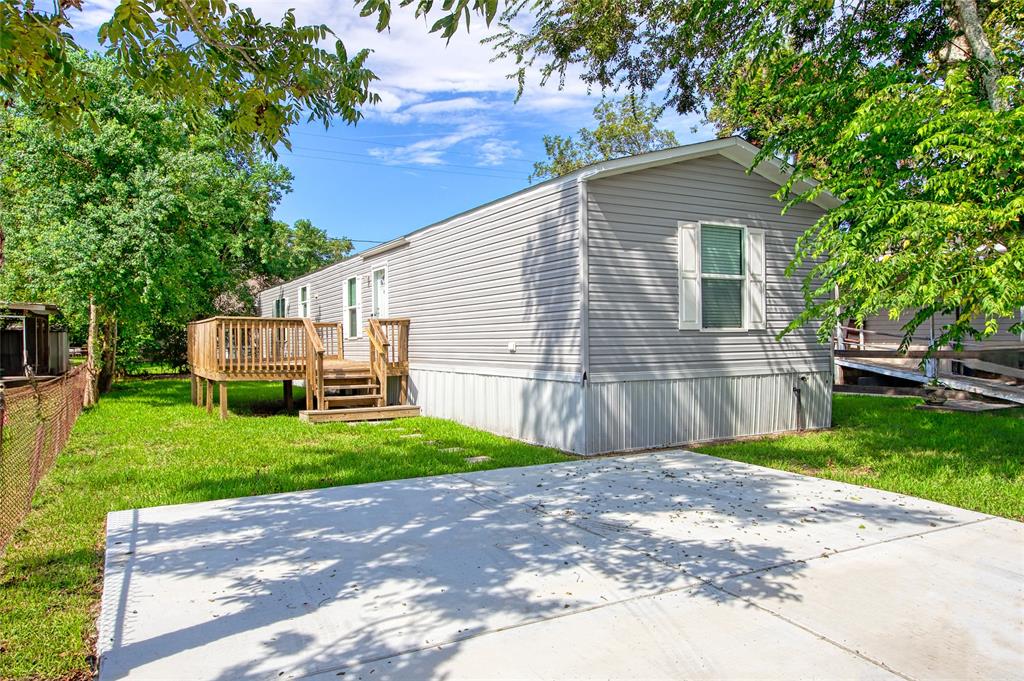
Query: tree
{"type": "Point", "coordinates": [908, 111]}
{"type": "Point", "coordinates": [144, 217]}
{"type": "Point", "coordinates": [261, 77]}
{"type": "Point", "coordinates": [308, 248]}
{"type": "Point", "coordinates": [624, 127]}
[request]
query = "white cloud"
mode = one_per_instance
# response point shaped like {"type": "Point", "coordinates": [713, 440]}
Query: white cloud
{"type": "Point", "coordinates": [456, 90]}
{"type": "Point", "coordinates": [431, 151]}
{"type": "Point", "coordinates": [494, 152]}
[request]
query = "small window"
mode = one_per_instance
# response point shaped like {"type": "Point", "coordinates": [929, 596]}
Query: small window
{"type": "Point", "coordinates": [722, 277]}
{"type": "Point", "coordinates": [304, 301]}
{"type": "Point", "coordinates": [352, 307]}
{"type": "Point", "coordinates": [279, 307]}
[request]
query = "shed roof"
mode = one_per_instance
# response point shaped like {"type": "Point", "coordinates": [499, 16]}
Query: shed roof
{"type": "Point", "coordinates": [35, 308]}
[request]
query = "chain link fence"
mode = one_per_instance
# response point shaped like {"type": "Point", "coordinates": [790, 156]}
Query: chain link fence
{"type": "Point", "coordinates": [35, 423]}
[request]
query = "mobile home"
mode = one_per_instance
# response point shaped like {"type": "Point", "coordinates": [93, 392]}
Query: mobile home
{"type": "Point", "coordinates": [631, 304]}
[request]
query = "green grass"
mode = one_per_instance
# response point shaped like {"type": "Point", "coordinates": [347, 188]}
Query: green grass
{"type": "Point", "coordinates": [970, 460]}
{"type": "Point", "coordinates": [145, 445]}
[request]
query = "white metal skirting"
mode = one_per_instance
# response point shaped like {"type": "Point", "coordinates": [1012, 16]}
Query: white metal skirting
{"type": "Point", "coordinates": [645, 414]}
{"type": "Point", "coordinates": [544, 412]}
{"type": "Point", "coordinates": [627, 415]}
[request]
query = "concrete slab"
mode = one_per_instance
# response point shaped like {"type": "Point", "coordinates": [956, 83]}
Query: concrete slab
{"type": "Point", "coordinates": [715, 518]}
{"type": "Point", "coordinates": [664, 565]}
{"type": "Point", "coordinates": [295, 583]}
{"type": "Point", "coordinates": [942, 605]}
{"type": "Point", "coordinates": [693, 634]}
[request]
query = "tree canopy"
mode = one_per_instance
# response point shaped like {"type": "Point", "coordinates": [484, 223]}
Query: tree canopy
{"type": "Point", "coordinates": [624, 127]}
{"type": "Point", "coordinates": [260, 76]}
{"type": "Point", "coordinates": [148, 218]}
{"type": "Point", "coordinates": [908, 111]}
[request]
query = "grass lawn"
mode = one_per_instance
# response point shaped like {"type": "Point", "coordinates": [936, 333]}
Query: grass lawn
{"type": "Point", "coordinates": [146, 445]}
{"type": "Point", "coordinates": [974, 461]}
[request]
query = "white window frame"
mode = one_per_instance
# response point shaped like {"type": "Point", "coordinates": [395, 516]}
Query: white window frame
{"type": "Point", "coordinates": [690, 272]}
{"type": "Point", "coordinates": [742, 278]}
{"type": "Point", "coordinates": [304, 307]}
{"type": "Point", "coordinates": [284, 306]}
{"type": "Point", "coordinates": [358, 307]}
{"type": "Point", "coordinates": [385, 309]}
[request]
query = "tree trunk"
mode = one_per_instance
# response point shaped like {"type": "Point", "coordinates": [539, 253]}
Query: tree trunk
{"type": "Point", "coordinates": [108, 364]}
{"type": "Point", "coordinates": [971, 24]}
{"type": "Point", "coordinates": [91, 385]}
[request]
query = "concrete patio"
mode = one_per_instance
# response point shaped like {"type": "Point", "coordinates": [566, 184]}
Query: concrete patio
{"type": "Point", "coordinates": [667, 565]}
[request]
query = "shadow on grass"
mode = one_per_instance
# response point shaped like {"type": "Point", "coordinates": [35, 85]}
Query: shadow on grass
{"type": "Point", "coordinates": [244, 398]}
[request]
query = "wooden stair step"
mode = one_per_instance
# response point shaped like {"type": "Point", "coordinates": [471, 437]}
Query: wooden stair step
{"type": "Point", "coordinates": [350, 399]}
{"type": "Point", "coordinates": [350, 386]}
{"type": "Point", "coordinates": [346, 375]}
{"type": "Point", "coordinates": [359, 413]}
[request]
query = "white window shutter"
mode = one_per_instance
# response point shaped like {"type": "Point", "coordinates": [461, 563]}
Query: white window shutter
{"type": "Point", "coordinates": [756, 280]}
{"type": "Point", "coordinates": [689, 275]}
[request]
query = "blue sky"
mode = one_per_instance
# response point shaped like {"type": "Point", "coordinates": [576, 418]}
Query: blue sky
{"type": "Point", "coordinates": [446, 136]}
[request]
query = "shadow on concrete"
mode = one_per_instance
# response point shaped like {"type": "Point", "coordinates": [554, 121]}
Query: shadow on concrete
{"type": "Point", "coordinates": [324, 580]}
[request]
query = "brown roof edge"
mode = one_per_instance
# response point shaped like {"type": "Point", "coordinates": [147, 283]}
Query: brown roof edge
{"type": "Point", "coordinates": [37, 308]}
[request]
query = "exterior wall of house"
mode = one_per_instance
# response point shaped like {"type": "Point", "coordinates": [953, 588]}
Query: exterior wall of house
{"type": "Point", "coordinates": [652, 384]}
{"type": "Point", "coordinates": [503, 273]}
{"type": "Point", "coordinates": [537, 410]}
{"type": "Point", "coordinates": [625, 415]}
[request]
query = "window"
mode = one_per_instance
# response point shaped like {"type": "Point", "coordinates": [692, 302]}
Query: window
{"type": "Point", "coordinates": [352, 307]}
{"type": "Point", "coordinates": [279, 307]}
{"type": "Point", "coordinates": [721, 277]}
{"type": "Point", "coordinates": [380, 292]}
{"type": "Point", "coordinates": [304, 301]}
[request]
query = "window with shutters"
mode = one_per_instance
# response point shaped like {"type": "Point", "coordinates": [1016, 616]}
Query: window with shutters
{"type": "Point", "coordinates": [722, 277]}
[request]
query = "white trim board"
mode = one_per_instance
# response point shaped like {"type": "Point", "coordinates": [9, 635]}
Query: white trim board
{"type": "Point", "coordinates": [505, 372]}
{"type": "Point", "coordinates": [730, 371]}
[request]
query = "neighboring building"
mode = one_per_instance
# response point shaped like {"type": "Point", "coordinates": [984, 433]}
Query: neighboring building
{"type": "Point", "coordinates": [631, 304]}
{"type": "Point", "coordinates": [28, 344]}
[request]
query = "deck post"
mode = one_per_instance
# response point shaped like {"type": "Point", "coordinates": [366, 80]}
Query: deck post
{"type": "Point", "coordinates": [195, 389]}
{"type": "Point", "coordinates": [223, 399]}
{"type": "Point", "coordinates": [288, 401]}
{"type": "Point", "coordinates": [308, 389]}
{"type": "Point", "coordinates": [403, 389]}
{"type": "Point", "coordinates": [209, 397]}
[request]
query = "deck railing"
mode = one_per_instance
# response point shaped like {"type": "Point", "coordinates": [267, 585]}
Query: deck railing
{"type": "Point", "coordinates": [248, 347]}
{"type": "Point", "coordinates": [389, 354]}
{"type": "Point", "coordinates": [332, 334]}
{"type": "Point", "coordinates": [269, 348]}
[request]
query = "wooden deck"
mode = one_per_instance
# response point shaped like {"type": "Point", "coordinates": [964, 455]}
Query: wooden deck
{"type": "Point", "coordinates": [994, 364]}
{"type": "Point", "coordinates": [226, 349]}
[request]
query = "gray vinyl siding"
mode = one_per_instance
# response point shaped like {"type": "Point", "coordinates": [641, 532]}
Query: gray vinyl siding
{"type": "Point", "coordinates": [507, 272]}
{"type": "Point", "coordinates": [633, 274]}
